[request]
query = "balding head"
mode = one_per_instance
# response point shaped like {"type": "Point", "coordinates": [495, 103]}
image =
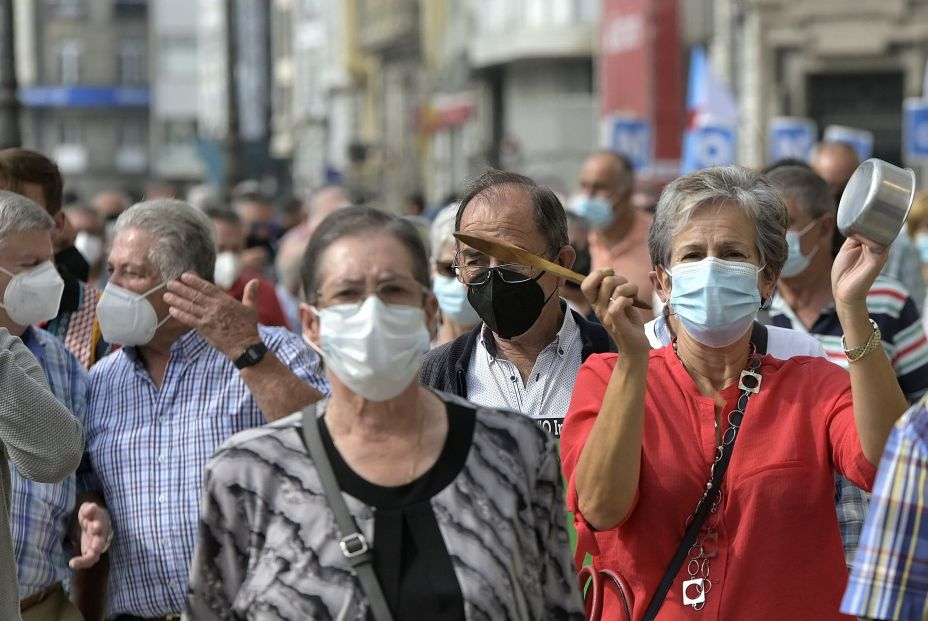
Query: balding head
{"type": "Point", "coordinates": [326, 200]}
{"type": "Point", "coordinates": [111, 203]}
{"type": "Point", "coordinates": [834, 162]}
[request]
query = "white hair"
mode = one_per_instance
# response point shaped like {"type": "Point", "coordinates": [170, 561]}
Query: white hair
{"type": "Point", "coordinates": [19, 214]}
{"type": "Point", "coordinates": [184, 238]}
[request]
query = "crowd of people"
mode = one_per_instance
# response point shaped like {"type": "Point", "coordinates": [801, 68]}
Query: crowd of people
{"type": "Point", "coordinates": [212, 413]}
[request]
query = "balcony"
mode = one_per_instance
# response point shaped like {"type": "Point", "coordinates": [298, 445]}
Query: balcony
{"type": "Point", "coordinates": [528, 29]}
{"type": "Point", "coordinates": [385, 24]}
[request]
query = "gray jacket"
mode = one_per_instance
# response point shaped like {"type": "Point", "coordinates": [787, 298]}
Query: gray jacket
{"type": "Point", "coordinates": [39, 435]}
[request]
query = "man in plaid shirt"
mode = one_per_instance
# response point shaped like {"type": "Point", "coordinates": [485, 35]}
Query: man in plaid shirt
{"type": "Point", "coordinates": [889, 579]}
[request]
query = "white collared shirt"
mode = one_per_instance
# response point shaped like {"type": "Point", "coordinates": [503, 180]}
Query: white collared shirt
{"type": "Point", "coordinates": [545, 396]}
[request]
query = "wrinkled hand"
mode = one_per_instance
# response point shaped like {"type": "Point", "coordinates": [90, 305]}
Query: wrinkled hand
{"type": "Point", "coordinates": [227, 324]}
{"type": "Point", "coordinates": [853, 272]}
{"type": "Point", "coordinates": [96, 534]}
{"type": "Point", "coordinates": [617, 315]}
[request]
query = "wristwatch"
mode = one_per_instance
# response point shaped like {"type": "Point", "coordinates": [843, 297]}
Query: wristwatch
{"type": "Point", "coordinates": [252, 355]}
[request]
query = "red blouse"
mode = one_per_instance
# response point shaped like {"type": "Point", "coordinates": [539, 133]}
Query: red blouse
{"type": "Point", "coordinates": [780, 554]}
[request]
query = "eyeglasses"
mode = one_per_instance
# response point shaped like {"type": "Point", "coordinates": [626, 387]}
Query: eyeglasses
{"type": "Point", "coordinates": [402, 291]}
{"type": "Point", "coordinates": [475, 275]}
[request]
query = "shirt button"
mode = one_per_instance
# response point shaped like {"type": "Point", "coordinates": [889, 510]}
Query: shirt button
{"type": "Point", "coordinates": [162, 498]}
{"type": "Point", "coordinates": [161, 459]}
{"type": "Point", "coordinates": [161, 420]}
{"type": "Point", "coordinates": [165, 542]}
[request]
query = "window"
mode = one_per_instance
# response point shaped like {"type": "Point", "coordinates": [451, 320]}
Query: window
{"type": "Point", "coordinates": [130, 9]}
{"type": "Point", "coordinates": [132, 62]}
{"type": "Point", "coordinates": [70, 132]}
{"type": "Point", "coordinates": [69, 61]}
{"type": "Point", "coordinates": [67, 8]}
{"type": "Point", "coordinates": [177, 57]}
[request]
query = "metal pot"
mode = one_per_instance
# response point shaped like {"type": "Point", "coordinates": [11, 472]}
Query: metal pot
{"type": "Point", "coordinates": [876, 202]}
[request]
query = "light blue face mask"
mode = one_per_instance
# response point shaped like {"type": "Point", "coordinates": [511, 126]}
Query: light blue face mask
{"type": "Point", "coordinates": [596, 211]}
{"type": "Point", "coordinates": [921, 243]}
{"type": "Point", "coordinates": [452, 299]}
{"type": "Point", "coordinates": [796, 262]}
{"type": "Point", "coordinates": [715, 300]}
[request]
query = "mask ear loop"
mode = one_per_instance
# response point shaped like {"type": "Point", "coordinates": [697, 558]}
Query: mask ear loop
{"type": "Point", "coordinates": [308, 342]}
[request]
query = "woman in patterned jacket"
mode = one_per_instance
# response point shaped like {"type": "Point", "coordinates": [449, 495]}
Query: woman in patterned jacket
{"type": "Point", "coordinates": [462, 506]}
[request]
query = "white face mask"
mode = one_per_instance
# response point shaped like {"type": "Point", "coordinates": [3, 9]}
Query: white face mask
{"type": "Point", "coordinates": [90, 247]}
{"type": "Point", "coordinates": [375, 349]}
{"type": "Point", "coordinates": [228, 267]}
{"type": "Point", "coordinates": [33, 296]}
{"type": "Point", "coordinates": [126, 317]}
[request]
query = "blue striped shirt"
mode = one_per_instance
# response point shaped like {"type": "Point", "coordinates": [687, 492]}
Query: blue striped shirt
{"type": "Point", "coordinates": [149, 448]}
{"type": "Point", "coordinates": [889, 579]}
{"type": "Point", "coordinates": [903, 337]}
{"type": "Point", "coordinates": [40, 513]}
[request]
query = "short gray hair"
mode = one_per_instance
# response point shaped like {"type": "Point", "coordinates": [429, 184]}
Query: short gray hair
{"type": "Point", "coordinates": [803, 185]}
{"type": "Point", "coordinates": [19, 214]}
{"type": "Point", "coordinates": [184, 238]}
{"type": "Point", "coordinates": [712, 186]}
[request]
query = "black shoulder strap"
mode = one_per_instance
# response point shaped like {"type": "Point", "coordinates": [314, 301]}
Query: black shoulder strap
{"type": "Point", "coordinates": [353, 544]}
{"type": "Point", "coordinates": [759, 337]}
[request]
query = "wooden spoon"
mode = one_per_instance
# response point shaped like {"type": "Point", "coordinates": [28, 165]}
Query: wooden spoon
{"type": "Point", "coordinates": [508, 253]}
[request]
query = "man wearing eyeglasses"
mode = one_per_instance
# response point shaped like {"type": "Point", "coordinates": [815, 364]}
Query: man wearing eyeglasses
{"type": "Point", "coordinates": [525, 354]}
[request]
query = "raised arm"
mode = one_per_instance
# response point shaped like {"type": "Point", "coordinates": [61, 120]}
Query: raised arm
{"type": "Point", "coordinates": [39, 434]}
{"type": "Point", "coordinates": [878, 399]}
{"type": "Point", "coordinates": [230, 326]}
{"type": "Point", "coordinates": [606, 478]}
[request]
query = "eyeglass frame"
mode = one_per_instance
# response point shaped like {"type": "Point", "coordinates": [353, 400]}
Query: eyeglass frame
{"type": "Point", "coordinates": [422, 289]}
{"type": "Point", "coordinates": [458, 268]}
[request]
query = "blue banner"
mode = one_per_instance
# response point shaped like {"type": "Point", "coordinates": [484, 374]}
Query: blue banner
{"type": "Point", "coordinates": [85, 96]}
{"type": "Point", "coordinates": [915, 129]}
{"type": "Point", "coordinates": [791, 138]}
{"type": "Point", "coordinates": [632, 138]}
{"type": "Point", "coordinates": [707, 146]}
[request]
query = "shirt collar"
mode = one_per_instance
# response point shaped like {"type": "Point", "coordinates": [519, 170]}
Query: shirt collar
{"type": "Point", "coordinates": [31, 341]}
{"type": "Point", "coordinates": [569, 330]}
{"type": "Point", "coordinates": [778, 306]}
{"type": "Point", "coordinates": [188, 346]}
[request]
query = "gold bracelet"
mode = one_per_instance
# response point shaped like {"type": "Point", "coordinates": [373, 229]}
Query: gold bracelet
{"type": "Point", "coordinates": [853, 355]}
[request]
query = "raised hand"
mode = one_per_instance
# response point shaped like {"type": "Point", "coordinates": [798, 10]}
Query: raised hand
{"type": "Point", "coordinates": [611, 297]}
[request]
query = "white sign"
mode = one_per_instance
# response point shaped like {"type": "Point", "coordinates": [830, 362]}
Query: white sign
{"type": "Point", "coordinates": [631, 137]}
{"type": "Point", "coordinates": [860, 139]}
{"type": "Point", "coordinates": [791, 138]}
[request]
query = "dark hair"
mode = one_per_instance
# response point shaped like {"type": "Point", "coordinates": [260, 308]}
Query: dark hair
{"type": "Point", "coordinates": [786, 161]}
{"type": "Point", "coordinates": [223, 214]}
{"type": "Point", "coordinates": [803, 185]}
{"type": "Point", "coordinates": [19, 166]}
{"type": "Point", "coordinates": [549, 212]}
{"type": "Point", "coordinates": [360, 222]}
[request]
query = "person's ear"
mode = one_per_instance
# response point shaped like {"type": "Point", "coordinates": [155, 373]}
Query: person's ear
{"type": "Point", "coordinates": [827, 228]}
{"type": "Point", "coordinates": [431, 313]}
{"type": "Point", "coordinates": [660, 280]}
{"type": "Point", "coordinates": [309, 320]}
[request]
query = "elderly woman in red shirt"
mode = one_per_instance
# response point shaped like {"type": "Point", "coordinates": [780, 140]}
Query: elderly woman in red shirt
{"type": "Point", "coordinates": [709, 422]}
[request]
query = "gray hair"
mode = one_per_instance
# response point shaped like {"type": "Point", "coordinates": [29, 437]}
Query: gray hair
{"type": "Point", "coordinates": [184, 238]}
{"type": "Point", "coordinates": [19, 214]}
{"type": "Point", "coordinates": [803, 185]}
{"type": "Point", "coordinates": [712, 186]}
{"type": "Point", "coordinates": [443, 228]}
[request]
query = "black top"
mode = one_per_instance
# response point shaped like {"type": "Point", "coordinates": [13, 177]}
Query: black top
{"type": "Point", "coordinates": [410, 558]}
{"type": "Point", "coordinates": [445, 368]}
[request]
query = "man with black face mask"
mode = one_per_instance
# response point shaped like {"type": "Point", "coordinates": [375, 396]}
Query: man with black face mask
{"type": "Point", "coordinates": [525, 354]}
{"type": "Point", "coordinates": [37, 177]}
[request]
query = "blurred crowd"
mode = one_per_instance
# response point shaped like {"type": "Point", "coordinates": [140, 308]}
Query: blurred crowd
{"type": "Point", "coordinates": [325, 410]}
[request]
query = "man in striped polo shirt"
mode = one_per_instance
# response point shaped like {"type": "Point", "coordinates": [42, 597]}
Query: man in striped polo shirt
{"type": "Point", "coordinates": [804, 300]}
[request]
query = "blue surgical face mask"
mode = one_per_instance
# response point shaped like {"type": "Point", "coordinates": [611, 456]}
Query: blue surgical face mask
{"type": "Point", "coordinates": [452, 299]}
{"type": "Point", "coordinates": [796, 262]}
{"type": "Point", "coordinates": [715, 300]}
{"type": "Point", "coordinates": [596, 211]}
{"type": "Point", "coordinates": [921, 243]}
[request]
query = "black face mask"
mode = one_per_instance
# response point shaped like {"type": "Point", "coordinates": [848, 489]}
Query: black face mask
{"type": "Point", "coordinates": [70, 260]}
{"type": "Point", "coordinates": [509, 309]}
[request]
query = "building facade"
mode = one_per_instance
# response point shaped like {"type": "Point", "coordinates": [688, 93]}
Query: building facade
{"type": "Point", "coordinates": [83, 73]}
